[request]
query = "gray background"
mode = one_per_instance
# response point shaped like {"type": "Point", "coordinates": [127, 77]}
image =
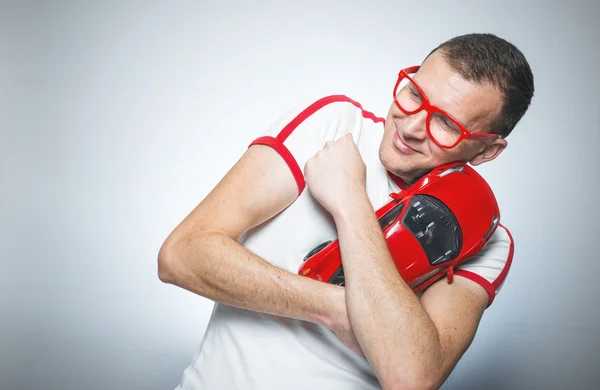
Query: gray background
{"type": "Point", "coordinates": [117, 118]}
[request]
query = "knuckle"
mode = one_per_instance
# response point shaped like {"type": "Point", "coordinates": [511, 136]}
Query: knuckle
{"type": "Point", "coordinates": [307, 167]}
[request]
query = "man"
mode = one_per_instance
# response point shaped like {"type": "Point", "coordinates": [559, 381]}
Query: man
{"type": "Point", "coordinates": [242, 245]}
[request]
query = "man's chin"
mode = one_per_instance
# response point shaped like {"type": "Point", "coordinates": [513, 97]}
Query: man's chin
{"type": "Point", "coordinates": [393, 165]}
{"type": "Point", "coordinates": [404, 169]}
{"type": "Point", "coordinates": [387, 159]}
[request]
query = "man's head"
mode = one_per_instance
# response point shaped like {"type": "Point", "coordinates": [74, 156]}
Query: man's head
{"type": "Point", "coordinates": [481, 81]}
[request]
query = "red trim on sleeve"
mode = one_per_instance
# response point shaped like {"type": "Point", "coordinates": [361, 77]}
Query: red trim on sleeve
{"type": "Point", "coordinates": [483, 282]}
{"type": "Point", "coordinates": [496, 283]}
{"type": "Point", "coordinates": [287, 157]}
{"type": "Point", "coordinates": [492, 287]}
{"type": "Point", "coordinates": [277, 142]}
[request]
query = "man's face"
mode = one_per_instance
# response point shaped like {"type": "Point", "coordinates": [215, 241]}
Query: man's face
{"type": "Point", "coordinates": [406, 149]}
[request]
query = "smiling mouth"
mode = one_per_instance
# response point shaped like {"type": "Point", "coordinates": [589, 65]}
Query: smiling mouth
{"type": "Point", "coordinates": [401, 146]}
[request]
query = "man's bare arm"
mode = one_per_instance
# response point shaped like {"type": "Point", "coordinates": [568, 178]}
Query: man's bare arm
{"type": "Point", "coordinates": [410, 343]}
{"type": "Point", "coordinates": [203, 255]}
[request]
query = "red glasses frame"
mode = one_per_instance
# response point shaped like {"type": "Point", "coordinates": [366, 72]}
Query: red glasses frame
{"type": "Point", "coordinates": [431, 109]}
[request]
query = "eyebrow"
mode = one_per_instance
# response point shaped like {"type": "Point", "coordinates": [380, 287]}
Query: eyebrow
{"type": "Point", "coordinates": [414, 85]}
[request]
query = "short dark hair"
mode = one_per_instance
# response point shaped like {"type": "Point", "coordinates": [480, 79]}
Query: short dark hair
{"type": "Point", "coordinates": [486, 58]}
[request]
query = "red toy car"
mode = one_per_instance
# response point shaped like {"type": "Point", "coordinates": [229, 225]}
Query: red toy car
{"type": "Point", "coordinates": [441, 220]}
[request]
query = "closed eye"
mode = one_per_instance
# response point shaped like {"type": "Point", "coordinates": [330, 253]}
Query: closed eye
{"type": "Point", "coordinates": [448, 124]}
{"type": "Point", "coordinates": [414, 93]}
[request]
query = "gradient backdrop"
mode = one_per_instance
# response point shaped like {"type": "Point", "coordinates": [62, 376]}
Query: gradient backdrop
{"type": "Point", "coordinates": [116, 119]}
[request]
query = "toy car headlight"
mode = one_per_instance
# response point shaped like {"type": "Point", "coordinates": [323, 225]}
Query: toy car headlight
{"type": "Point", "coordinates": [435, 227]}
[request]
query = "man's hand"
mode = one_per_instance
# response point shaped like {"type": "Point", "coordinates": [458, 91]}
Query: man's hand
{"type": "Point", "coordinates": [336, 175]}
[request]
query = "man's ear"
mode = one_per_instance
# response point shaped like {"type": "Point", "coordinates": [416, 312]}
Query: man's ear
{"type": "Point", "coordinates": [490, 152]}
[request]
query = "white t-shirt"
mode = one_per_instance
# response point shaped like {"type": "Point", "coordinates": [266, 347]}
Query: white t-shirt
{"type": "Point", "coordinates": [247, 350]}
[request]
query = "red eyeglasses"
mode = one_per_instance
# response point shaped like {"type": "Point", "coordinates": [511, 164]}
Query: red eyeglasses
{"type": "Point", "coordinates": [442, 128]}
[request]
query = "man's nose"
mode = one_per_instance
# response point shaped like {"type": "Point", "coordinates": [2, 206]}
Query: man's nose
{"type": "Point", "coordinates": [415, 125]}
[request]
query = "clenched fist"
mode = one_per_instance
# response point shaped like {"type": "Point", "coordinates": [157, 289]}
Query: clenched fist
{"type": "Point", "coordinates": [336, 175]}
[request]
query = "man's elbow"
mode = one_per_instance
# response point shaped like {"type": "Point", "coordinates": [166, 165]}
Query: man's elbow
{"type": "Point", "coordinates": [424, 380]}
{"type": "Point", "coordinates": [169, 260]}
{"type": "Point", "coordinates": [412, 384]}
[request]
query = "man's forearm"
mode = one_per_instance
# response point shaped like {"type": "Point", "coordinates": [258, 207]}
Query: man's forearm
{"type": "Point", "coordinates": [392, 327]}
{"type": "Point", "coordinates": [219, 268]}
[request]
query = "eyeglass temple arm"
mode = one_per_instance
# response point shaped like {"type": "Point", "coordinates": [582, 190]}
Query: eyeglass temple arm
{"type": "Point", "coordinates": [484, 135]}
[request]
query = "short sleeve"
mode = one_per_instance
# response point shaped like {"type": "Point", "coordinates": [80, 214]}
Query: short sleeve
{"type": "Point", "coordinates": [490, 266]}
{"type": "Point", "coordinates": [302, 132]}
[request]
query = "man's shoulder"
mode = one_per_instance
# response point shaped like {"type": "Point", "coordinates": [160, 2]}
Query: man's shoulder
{"type": "Point", "coordinates": [334, 105]}
{"type": "Point", "coordinates": [500, 245]}
{"type": "Point", "coordinates": [501, 237]}
{"type": "Point", "coordinates": [490, 266]}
